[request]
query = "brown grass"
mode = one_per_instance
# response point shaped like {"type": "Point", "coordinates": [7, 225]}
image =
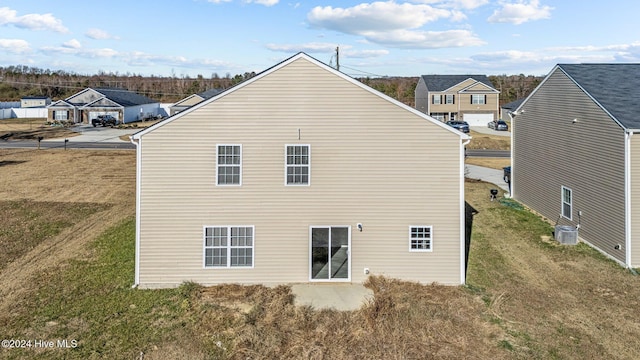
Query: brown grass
{"type": "Point", "coordinates": [31, 129]}
{"type": "Point", "coordinates": [493, 163]}
{"type": "Point", "coordinates": [481, 141]}
{"type": "Point", "coordinates": [525, 298]}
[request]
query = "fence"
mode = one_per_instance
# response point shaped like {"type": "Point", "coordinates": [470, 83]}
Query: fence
{"type": "Point", "coordinates": [23, 113]}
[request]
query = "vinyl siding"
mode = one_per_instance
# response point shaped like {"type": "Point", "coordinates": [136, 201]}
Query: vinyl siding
{"type": "Point", "coordinates": [422, 96]}
{"type": "Point", "coordinates": [372, 162]}
{"type": "Point", "coordinates": [550, 151]}
{"type": "Point", "coordinates": [634, 168]}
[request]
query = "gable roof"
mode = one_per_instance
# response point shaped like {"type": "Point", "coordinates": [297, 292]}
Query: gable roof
{"type": "Point", "coordinates": [444, 82]}
{"type": "Point", "coordinates": [125, 97]}
{"type": "Point", "coordinates": [208, 94]}
{"type": "Point", "coordinates": [282, 64]}
{"type": "Point", "coordinates": [512, 105]}
{"type": "Point", "coordinates": [611, 86]}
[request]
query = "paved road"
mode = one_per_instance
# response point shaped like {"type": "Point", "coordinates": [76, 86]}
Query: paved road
{"type": "Point", "coordinates": [489, 153]}
{"type": "Point", "coordinates": [59, 144]}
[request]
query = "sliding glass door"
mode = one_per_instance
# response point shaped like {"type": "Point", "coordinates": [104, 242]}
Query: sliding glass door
{"type": "Point", "coordinates": [330, 255]}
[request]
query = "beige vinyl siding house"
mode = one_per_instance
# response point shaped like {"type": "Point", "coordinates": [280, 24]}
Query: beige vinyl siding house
{"type": "Point", "coordinates": [469, 98]}
{"type": "Point", "coordinates": [319, 177]}
{"type": "Point", "coordinates": [575, 156]}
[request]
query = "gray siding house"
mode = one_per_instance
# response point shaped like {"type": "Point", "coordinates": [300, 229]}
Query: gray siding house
{"type": "Point", "coordinates": [300, 174]}
{"type": "Point", "coordinates": [576, 155]}
{"type": "Point", "coordinates": [469, 98]}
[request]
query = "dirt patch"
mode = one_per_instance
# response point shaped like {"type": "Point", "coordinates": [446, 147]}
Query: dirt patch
{"type": "Point", "coordinates": [481, 141]}
{"type": "Point", "coordinates": [493, 163]}
{"type": "Point", "coordinates": [57, 177]}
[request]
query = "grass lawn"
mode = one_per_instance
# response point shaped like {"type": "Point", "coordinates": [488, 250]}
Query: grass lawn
{"type": "Point", "coordinates": [525, 298]}
{"type": "Point", "coordinates": [32, 128]}
{"type": "Point", "coordinates": [482, 141]}
{"type": "Point", "coordinates": [493, 163]}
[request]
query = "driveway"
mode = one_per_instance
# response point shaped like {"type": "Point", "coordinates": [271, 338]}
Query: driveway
{"type": "Point", "coordinates": [486, 130]}
{"type": "Point", "coordinates": [486, 174]}
{"type": "Point", "coordinates": [88, 133]}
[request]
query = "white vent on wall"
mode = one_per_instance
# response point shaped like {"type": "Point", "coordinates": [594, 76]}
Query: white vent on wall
{"type": "Point", "coordinates": [566, 235]}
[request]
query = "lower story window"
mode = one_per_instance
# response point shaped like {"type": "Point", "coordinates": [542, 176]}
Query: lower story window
{"type": "Point", "coordinates": [420, 238]}
{"type": "Point", "coordinates": [439, 116]}
{"type": "Point", "coordinates": [228, 246]}
{"type": "Point", "coordinates": [567, 202]}
{"type": "Point", "coordinates": [61, 115]}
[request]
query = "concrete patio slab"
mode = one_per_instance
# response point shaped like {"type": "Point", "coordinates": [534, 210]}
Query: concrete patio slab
{"type": "Point", "coordinates": [342, 297]}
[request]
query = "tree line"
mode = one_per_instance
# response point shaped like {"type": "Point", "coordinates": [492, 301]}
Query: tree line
{"type": "Point", "coordinates": [19, 81]}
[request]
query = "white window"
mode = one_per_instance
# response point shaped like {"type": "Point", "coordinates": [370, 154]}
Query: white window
{"type": "Point", "coordinates": [228, 246]}
{"type": "Point", "coordinates": [61, 115]}
{"type": "Point", "coordinates": [478, 99]}
{"type": "Point", "coordinates": [420, 238]}
{"type": "Point", "coordinates": [567, 203]}
{"type": "Point", "coordinates": [436, 99]}
{"type": "Point", "coordinates": [229, 165]}
{"type": "Point", "coordinates": [438, 116]}
{"type": "Point", "coordinates": [449, 99]}
{"type": "Point", "coordinates": [298, 165]}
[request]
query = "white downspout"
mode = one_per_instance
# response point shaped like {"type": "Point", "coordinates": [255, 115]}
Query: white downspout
{"type": "Point", "coordinates": [138, 143]}
{"type": "Point", "coordinates": [511, 188]}
{"type": "Point", "coordinates": [627, 196]}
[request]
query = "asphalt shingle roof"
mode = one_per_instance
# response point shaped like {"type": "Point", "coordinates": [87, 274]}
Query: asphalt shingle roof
{"type": "Point", "coordinates": [443, 82]}
{"type": "Point", "coordinates": [613, 86]}
{"type": "Point", "coordinates": [125, 97]}
{"type": "Point", "coordinates": [208, 94]}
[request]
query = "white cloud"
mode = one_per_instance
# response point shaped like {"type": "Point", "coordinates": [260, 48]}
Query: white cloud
{"type": "Point", "coordinates": [31, 21]}
{"type": "Point", "coordinates": [455, 4]}
{"type": "Point", "coordinates": [425, 39]}
{"type": "Point", "coordinates": [16, 46]}
{"type": "Point", "coordinates": [520, 12]}
{"type": "Point", "coordinates": [98, 34]}
{"type": "Point", "coordinates": [376, 16]}
{"type": "Point", "coordinates": [72, 44]}
{"type": "Point", "coordinates": [395, 25]}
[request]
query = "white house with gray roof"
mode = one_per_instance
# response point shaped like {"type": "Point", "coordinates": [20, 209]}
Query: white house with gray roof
{"type": "Point", "coordinates": [470, 98]}
{"type": "Point", "coordinates": [126, 106]}
{"type": "Point", "coordinates": [576, 154]}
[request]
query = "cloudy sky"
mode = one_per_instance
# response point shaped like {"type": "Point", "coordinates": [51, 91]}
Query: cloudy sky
{"type": "Point", "coordinates": [378, 38]}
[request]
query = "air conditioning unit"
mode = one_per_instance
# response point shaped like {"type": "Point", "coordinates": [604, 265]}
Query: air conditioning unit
{"type": "Point", "coordinates": [566, 235]}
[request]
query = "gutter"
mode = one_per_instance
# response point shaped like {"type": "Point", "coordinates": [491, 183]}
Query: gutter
{"type": "Point", "coordinates": [137, 141]}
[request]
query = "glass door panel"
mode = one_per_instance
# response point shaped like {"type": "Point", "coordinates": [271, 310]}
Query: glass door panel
{"type": "Point", "coordinates": [320, 253]}
{"type": "Point", "coordinates": [339, 252]}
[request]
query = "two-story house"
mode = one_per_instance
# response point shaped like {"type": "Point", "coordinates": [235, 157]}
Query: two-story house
{"type": "Point", "coordinates": [576, 155]}
{"type": "Point", "coordinates": [299, 174]}
{"type": "Point", "coordinates": [470, 98]}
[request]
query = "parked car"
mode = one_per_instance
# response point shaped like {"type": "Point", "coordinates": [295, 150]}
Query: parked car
{"type": "Point", "coordinates": [499, 125]}
{"type": "Point", "coordinates": [104, 120]}
{"type": "Point", "coordinates": [506, 174]}
{"type": "Point", "coordinates": [459, 125]}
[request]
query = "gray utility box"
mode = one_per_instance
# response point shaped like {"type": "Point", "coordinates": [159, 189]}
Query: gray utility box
{"type": "Point", "coordinates": [566, 235]}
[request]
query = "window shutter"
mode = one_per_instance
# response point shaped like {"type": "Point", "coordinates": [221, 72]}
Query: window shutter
{"type": "Point", "coordinates": [453, 98]}
{"type": "Point", "coordinates": [485, 99]}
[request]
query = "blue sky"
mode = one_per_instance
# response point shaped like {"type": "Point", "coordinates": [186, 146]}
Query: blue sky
{"type": "Point", "coordinates": [376, 38]}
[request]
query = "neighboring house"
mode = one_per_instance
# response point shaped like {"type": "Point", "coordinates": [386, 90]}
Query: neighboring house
{"type": "Point", "coordinates": [84, 106]}
{"type": "Point", "coordinates": [299, 174]}
{"type": "Point", "coordinates": [509, 108]}
{"type": "Point", "coordinates": [469, 98]}
{"type": "Point", "coordinates": [191, 100]}
{"type": "Point", "coordinates": [34, 101]}
{"type": "Point", "coordinates": [576, 155]}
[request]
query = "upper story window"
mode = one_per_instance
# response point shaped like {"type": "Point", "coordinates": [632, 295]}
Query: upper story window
{"type": "Point", "coordinates": [420, 238]}
{"type": "Point", "coordinates": [479, 99]}
{"type": "Point", "coordinates": [567, 203]}
{"type": "Point", "coordinates": [436, 99]}
{"type": "Point", "coordinates": [449, 99]}
{"type": "Point", "coordinates": [229, 165]}
{"type": "Point", "coordinates": [298, 165]}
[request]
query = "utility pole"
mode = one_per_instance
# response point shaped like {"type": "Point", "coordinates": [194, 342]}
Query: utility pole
{"type": "Point", "coordinates": [338, 58]}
